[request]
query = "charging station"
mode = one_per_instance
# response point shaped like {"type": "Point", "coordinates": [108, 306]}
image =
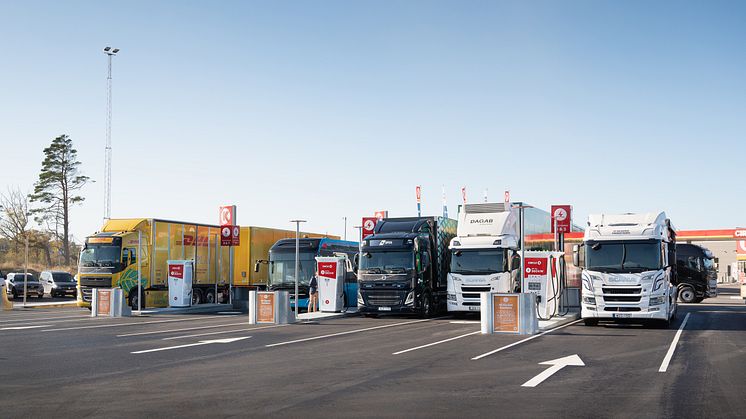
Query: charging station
{"type": "Point", "coordinates": [542, 277]}
{"type": "Point", "coordinates": [180, 273]}
{"type": "Point", "coordinates": [332, 273]}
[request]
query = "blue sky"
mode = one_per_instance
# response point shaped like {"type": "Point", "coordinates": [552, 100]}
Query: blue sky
{"type": "Point", "coordinates": [327, 109]}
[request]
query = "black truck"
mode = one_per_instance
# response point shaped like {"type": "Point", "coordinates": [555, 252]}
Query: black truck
{"type": "Point", "coordinates": [697, 274]}
{"type": "Point", "coordinates": [404, 266]}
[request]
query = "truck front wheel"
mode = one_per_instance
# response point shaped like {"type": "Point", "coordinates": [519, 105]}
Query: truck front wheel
{"type": "Point", "coordinates": [196, 297]}
{"type": "Point", "coordinates": [687, 294]}
{"type": "Point", "coordinates": [133, 301]}
{"type": "Point", "coordinates": [426, 305]}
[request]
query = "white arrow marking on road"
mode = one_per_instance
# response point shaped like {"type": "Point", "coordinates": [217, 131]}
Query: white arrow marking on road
{"type": "Point", "coordinates": [23, 327]}
{"type": "Point", "coordinates": [202, 342]}
{"type": "Point", "coordinates": [556, 365]}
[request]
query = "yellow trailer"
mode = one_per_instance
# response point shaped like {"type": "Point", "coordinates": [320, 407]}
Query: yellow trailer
{"type": "Point", "coordinates": [127, 249]}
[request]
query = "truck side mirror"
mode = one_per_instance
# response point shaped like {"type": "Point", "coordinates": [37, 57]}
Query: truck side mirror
{"type": "Point", "coordinates": [575, 255]}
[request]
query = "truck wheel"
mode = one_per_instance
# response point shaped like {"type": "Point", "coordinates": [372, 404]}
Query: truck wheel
{"type": "Point", "coordinates": [210, 297]}
{"type": "Point", "coordinates": [590, 322]}
{"type": "Point", "coordinates": [427, 306]}
{"type": "Point", "coordinates": [133, 301]}
{"type": "Point", "coordinates": [687, 295]}
{"type": "Point", "coordinates": [196, 297]}
{"type": "Point", "coordinates": [15, 294]}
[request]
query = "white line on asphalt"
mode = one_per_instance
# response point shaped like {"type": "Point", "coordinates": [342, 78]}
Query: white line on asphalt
{"type": "Point", "coordinates": [229, 312]}
{"type": "Point", "coordinates": [734, 297]}
{"type": "Point", "coordinates": [350, 332]}
{"type": "Point", "coordinates": [29, 319]}
{"type": "Point", "coordinates": [672, 348]}
{"type": "Point", "coordinates": [223, 332]}
{"type": "Point", "coordinates": [465, 322]}
{"type": "Point", "coordinates": [435, 343]}
{"type": "Point", "coordinates": [24, 327]}
{"type": "Point", "coordinates": [155, 332]}
{"type": "Point", "coordinates": [522, 341]}
{"type": "Point", "coordinates": [126, 324]}
{"type": "Point", "coordinates": [202, 342]}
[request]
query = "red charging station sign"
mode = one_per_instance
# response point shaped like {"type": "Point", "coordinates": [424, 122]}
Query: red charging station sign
{"type": "Point", "coordinates": [176, 271]}
{"type": "Point", "coordinates": [561, 218]}
{"type": "Point", "coordinates": [369, 223]}
{"type": "Point", "coordinates": [328, 269]}
{"type": "Point", "coordinates": [534, 267]}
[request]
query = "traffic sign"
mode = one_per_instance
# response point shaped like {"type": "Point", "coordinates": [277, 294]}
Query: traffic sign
{"type": "Point", "coordinates": [381, 214]}
{"type": "Point", "coordinates": [561, 218]}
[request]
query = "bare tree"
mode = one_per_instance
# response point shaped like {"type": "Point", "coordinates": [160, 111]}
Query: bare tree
{"type": "Point", "coordinates": [15, 219]}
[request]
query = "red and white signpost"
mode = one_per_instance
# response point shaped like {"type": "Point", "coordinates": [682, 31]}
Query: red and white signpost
{"type": "Point", "coordinates": [561, 224]}
{"type": "Point", "coordinates": [230, 235]}
{"type": "Point", "coordinates": [369, 223]}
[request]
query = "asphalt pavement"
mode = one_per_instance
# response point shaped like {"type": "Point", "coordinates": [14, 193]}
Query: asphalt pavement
{"type": "Point", "coordinates": [63, 363]}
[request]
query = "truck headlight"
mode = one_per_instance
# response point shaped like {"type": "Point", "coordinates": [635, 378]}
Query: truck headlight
{"type": "Point", "coordinates": [590, 300]}
{"type": "Point", "coordinates": [451, 297]}
{"type": "Point", "coordinates": [654, 301]}
{"type": "Point", "coordinates": [360, 301]}
{"type": "Point", "coordinates": [410, 298]}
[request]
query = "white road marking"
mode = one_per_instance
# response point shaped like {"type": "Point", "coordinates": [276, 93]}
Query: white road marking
{"type": "Point", "coordinates": [229, 312]}
{"type": "Point", "coordinates": [349, 332]}
{"type": "Point", "coordinates": [672, 348]}
{"type": "Point", "coordinates": [200, 343]}
{"type": "Point", "coordinates": [734, 297]}
{"type": "Point", "coordinates": [522, 341]}
{"type": "Point", "coordinates": [465, 322]}
{"type": "Point", "coordinates": [556, 365]}
{"type": "Point", "coordinates": [127, 324]}
{"type": "Point", "coordinates": [156, 332]}
{"type": "Point", "coordinates": [435, 343]}
{"type": "Point", "coordinates": [30, 319]}
{"type": "Point", "coordinates": [24, 327]}
{"type": "Point", "coordinates": [224, 331]}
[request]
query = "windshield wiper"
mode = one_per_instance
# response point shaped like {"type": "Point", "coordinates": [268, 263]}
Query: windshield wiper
{"type": "Point", "coordinates": [373, 270]}
{"type": "Point", "coordinates": [396, 270]}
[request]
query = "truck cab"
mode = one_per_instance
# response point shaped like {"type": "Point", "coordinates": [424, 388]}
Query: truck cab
{"type": "Point", "coordinates": [628, 264]}
{"type": "Point", "coordinates": [697, 273]}
{"type": "Point", "coordinates": [403, 266]}
{"type": "Point", "coordinates": [483, 255]}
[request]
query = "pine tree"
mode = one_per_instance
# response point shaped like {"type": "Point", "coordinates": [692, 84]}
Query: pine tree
{"type": "Point", "coordinates": [56, 189]}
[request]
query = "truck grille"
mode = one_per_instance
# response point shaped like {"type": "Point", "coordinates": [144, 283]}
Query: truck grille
{"type": "Point", "coordinates": [622, 295]}
{"type": "Point", "coordinates": [91, 281]}
{"type": "Point", "coordinates": [473, 292]}
{"type": "Point", "coordinates": [383, 298]}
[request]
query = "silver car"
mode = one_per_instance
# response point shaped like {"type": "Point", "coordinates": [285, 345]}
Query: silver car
{"type": "Point", "coordinates": [58, 283]}
{"type": "Point", "coordinates": [14, 285]}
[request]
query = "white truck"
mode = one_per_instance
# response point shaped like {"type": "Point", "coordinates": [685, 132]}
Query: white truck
{"type": "Point", "coordinates": [483, 255]}
{"type": "Point", "coordinates": [628, 264]}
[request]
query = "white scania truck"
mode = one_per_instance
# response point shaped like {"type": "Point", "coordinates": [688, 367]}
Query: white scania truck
{"type": "Point", "coordinates": [483, 255]}
{"type": "Point", "coordinates": [628, 266]}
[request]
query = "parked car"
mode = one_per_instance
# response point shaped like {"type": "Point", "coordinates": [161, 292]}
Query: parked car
{"type": "Point", "coordinates": [57, 283]}
{"type": "Point", "coordinates": [14, 285]}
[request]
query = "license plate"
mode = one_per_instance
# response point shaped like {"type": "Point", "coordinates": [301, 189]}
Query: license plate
{"type": "Point", "coordinates": [384, 308]}
{"type": "Point", "coordinates": [472, 308]}
{"type": "Point", "coordinates": [622, 315]}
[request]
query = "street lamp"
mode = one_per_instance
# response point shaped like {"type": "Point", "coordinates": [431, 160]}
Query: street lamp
{"type": "Point", "coordinates": [521, 208]}
{"type": "Point", "coordinates": [110, 52]}
{"type": "Point", "coordinates": [297, 260]}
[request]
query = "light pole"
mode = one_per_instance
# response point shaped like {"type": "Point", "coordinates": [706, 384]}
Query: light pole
{"type": "Point", "coordinates": [25, 271]}
{"type": "Point", "coordinates": [297, 260]}
{"type": "Point", "coordinates": [110, 52]}
{"type": "Point", "coordinates": [522, 214]}
{"type": "Point", "coordinates": [345, 235]}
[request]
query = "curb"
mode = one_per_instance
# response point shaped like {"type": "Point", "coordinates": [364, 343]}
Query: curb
{"type": "Point", "coordinates": [568, 318]}
{"type": "Point", "coordinates": [56, 305]}
{"type": "Point", "coordinates": [213, 308]}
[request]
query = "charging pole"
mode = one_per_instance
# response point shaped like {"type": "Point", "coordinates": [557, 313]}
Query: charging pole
{"type": "Point", "coordinates": [297, 259]}
{"type": "Point", "coordinates": [139, 270]}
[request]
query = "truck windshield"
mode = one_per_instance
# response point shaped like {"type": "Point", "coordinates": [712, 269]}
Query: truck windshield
{"type": "Point", "coordinates": [387, 262]}
{"type": "Point", "coordinates": [619, 257]}
{"type": "Point", "coordinates": [62, 277]}
{"type": "Point", "coordinates": [282, 268]}
{"type": "Point", "coordinates": [101, 256]}
{"type": "Point", "coordinates": [485, 261]}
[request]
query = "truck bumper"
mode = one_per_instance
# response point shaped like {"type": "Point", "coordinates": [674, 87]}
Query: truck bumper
{"type": "Point", "coordinates": [456, 306]}
{"type": "Point", "coordinates": [659, 312]}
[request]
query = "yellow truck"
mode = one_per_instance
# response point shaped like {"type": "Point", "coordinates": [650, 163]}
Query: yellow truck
{"type": "Point", "coordinates": [127, 249]}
